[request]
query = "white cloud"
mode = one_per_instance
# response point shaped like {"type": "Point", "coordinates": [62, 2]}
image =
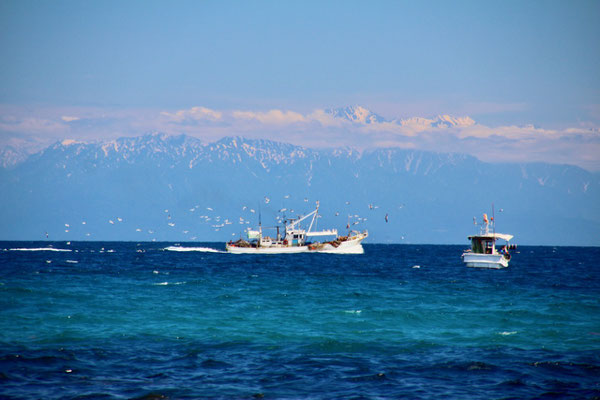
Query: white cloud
{"type": "Point", "coordinates": [276, 117]}
{"type": "Point", "coordinates": [67, 118]}
{"type": "Point", "coordinates": [325, 119]}
{"type": "Point", "coordinates": [194, 113]}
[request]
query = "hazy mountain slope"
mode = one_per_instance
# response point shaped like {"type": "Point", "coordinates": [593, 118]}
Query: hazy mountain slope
{"type": "Point", "coordinates": [161, 186]}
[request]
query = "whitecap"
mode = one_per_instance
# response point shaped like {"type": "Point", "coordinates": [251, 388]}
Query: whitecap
{"type": "Point", "coordinates": [161, 284]}
{"type": "Point", "coordinates": [39, 249]}
{"type": "Point", "coordinates": [72, 261]}
{"type": "Point", "coordinates": [507, 333]}
{"type": "Point", "coordinates": [352, 311]}
{"type": "Point", "coordinates": [201, 249]}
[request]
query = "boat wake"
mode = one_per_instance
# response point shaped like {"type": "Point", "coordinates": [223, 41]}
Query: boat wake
{"type": "Point", "coordinates": [39, 249]}
{"type": "Point", "coordinates": [358, 249]}
{"type": "Point", "coordinates": [199, 249]}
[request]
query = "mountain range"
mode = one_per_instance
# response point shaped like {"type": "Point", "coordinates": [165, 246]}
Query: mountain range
{"type": "Point", "coordinates": [176, 188]}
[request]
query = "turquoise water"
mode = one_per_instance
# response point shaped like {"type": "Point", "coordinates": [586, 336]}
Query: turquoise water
{"type": "Point", "coordinates": [128, 320]}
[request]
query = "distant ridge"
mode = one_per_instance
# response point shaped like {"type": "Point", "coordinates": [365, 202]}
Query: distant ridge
{"type": "Point", "coordinates": [430, 197]}
{"type": "Point", "coordinates": [356, 114]}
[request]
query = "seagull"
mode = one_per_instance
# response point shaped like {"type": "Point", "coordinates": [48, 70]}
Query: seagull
{"type": "Point", "coordinates": [138, 230]}
{"type": "Point", "coordinates": [306, 200]}
{"type": "Point", "coordinates": [83, 223]}
{"type": "Point", "coordinates": [252, 210]}
{"type": "Point", "coordinates": [337, 213]}
{"type": "Point", "coordinates": [110, 221]}
{"type": "Point", "coordinates": [287, 196]}
{"type": "Point", "coordinates": [244, 208]}
{"type": "Point", "coordinates": [209, 209]}
{"type": "Point", "coordinates": [267, 200]}
{"type": "Point", "coordinates": [67, 225]}
{"type": "Point", "coordinates": [119, 219]}
{"type": "Point", "coordinates": [386, 218]}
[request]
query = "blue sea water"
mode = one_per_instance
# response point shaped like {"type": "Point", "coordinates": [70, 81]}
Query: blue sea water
{"type": "Point", "coordinates": [119, 320]}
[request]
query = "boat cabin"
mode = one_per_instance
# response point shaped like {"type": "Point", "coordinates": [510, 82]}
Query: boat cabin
{"type": "Point", "coordinates": [483, 244]}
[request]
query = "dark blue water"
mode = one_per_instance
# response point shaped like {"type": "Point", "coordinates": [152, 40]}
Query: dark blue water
{"type": "Point", "coordinates": [128, 320]}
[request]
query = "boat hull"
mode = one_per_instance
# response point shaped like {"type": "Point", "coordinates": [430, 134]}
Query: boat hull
{"type": "Point", "coordinates": [494, 261]}
{"type": "Point", "coordinates": [350, 246]}
{"type": "Point", "coordinates": [267, 250]}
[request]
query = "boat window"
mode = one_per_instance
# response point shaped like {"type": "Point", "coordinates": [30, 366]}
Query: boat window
{"type": "Point", "coordinates": [477, 246]}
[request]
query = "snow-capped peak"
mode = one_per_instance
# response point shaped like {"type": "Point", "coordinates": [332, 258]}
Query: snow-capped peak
{"type": "Point", "coordinates": [356, 114]}
{"type": "Point", "coordinates": [446, 121]}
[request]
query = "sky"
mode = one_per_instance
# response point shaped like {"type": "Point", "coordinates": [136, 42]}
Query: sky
{"type": "Point", "coordinates": [525, 75]}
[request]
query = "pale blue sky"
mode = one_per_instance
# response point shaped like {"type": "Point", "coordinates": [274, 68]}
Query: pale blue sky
{"type": "Point", "coordinates": [502, 63]}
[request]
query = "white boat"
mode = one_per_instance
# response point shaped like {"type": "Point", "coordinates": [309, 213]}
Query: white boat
{"type": "Point", "coordinates": [483, 252]}
{"type": "Point", "coordinates": [295, 240]}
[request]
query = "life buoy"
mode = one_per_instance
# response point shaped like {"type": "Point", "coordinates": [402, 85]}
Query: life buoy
{"type": "Point", "coordinates": [285, 242]}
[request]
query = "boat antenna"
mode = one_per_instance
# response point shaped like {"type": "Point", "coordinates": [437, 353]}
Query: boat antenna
{"type": "Point", "coordinates": [259, 216]}
{"type": "Point", "coordinates": [493, 221]}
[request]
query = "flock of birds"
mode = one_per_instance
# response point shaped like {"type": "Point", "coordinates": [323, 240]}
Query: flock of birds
{"type": "Point", "coordinates": [218, 223]}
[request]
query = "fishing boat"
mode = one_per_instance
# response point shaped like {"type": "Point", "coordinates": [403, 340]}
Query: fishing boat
{"type": "Point", "coordinates": [483, 252]}
{"type": "Point", "coordinates": [298, 240]}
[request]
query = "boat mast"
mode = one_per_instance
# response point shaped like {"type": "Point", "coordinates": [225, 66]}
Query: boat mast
{"type": "Point", "coordinates": [493, 222]}
{"type": "Point", "coordinates": [316, 212]}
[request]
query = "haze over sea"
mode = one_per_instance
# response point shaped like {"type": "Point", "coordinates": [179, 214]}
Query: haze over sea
{"type": "Point", "coordinates": [129, 320]}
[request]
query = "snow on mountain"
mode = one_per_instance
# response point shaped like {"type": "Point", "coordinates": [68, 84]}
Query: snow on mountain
{"type": "Point", "coordinates": [447, 121]}
{"type": "Point", "coordinates": [361, 115]}
{"type": "Point", "coordinates": [431, 197]}
{"type": "Point", "coordinates": [356, 114]}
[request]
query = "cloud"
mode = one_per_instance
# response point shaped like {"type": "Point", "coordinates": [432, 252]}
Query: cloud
{"type": "Point", "coordinates": [194, 113]}
{"type": "Point", "coordinates": [271, 117]}
{"type": "Point", "coordinates": [66, 118]}
{"type": "Point", "coordinates": [31, 125]}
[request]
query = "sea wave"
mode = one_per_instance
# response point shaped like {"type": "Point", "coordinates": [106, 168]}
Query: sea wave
{"type": "Point", "coordinates": [200, 249]}
{"type": "Point", "coordinates": [39, 249]}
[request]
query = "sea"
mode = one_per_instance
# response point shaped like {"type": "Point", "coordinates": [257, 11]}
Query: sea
{"type": "Point", "coordinates": [127, 320]}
